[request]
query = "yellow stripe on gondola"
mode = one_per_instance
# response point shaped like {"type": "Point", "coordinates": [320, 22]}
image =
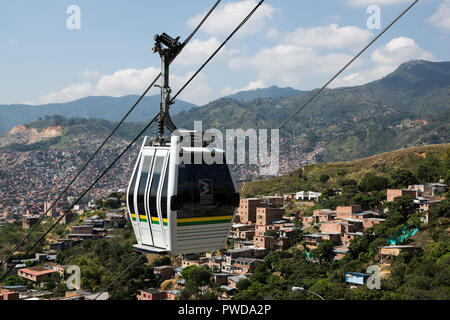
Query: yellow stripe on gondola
{"type": "Point", "coordinates": [204, 219]}
{"type": "Point", "coordinates": [156, 221]}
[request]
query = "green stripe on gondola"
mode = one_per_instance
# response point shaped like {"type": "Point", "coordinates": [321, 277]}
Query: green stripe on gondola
{"type": "Point", "coordinates": [195, 223]}
{"type": "Point", "coordinates": [156, 221]}
{"type": "Point", "coordinates": [133, 217]}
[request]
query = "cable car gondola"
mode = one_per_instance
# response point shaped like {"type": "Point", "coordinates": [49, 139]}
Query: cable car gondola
{"type": "Point", "coordinates": [177, 207]}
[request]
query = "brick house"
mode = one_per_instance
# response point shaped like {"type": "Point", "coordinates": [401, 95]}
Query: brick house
{"type": "Point", "coordinates": [333, 237]}
{"type": "Point", "coordinates": [172, 294]}
{"type": "Point", "coordinates": [221, 278]}
{"type": "Point", "coordinates": [189, 262]}
{"type": "Point", "coordinates": [260, 230]}
{"type": "Point", "coordinates": [265, 242]}
{"type": "Point", "coordinates": [245, 265]}
{"type": "Point", "coordinates": [273, 201]}
{"type": "Point", "coordinates": [28, 222]}
{"type": "Point", "coordinates": [242, 232]}
{"type": "Point", "coordinates": [232, 281]}
{"type": "Point", "coordinates": [324, 215]}
{"type": "Point", "coordinates": [349, 236]}
{"type": "Point", "coordinates": [35, 274]}
{"type": "Point", "coordinates": [370, 222]}
{"type": "Point", "coordinates": [265, 216]}
{"type": "Point", "coordinates": [309, 221]}
{"type": "Point", "coordinates": [347, 211]}
{"type": "Point", "coordinates": [163, 272]}
{"type": "Point", "coordinates": [57, 267]}
{"type": "Point", "coordinates": [332, 227]}
{"type": "Point", "coordinates": [151, 294]}
{"type": "Point", "coordinates": [394, 193]}
{"type": "Point", "coordinates": [6, 294]}
{"type": "Point", "coordinates": [246, 213]}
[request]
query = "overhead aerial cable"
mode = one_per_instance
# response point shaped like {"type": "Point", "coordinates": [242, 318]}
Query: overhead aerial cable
{"type": "Point", "coordinates": [107, 139]}
{"type": "Point", "coordinates": [309, 101]}
{"type": "Point", "coordinates": [336, 75]}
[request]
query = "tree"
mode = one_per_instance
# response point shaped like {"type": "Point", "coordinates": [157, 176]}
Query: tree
{"type": "Point", "coordinates": [441, 210]}
{"type": "Point", "coordinates": [371, 182]}
{"type": "Point", "coordinates": [429, 169]}
{"type": "Point", "coordinates": [163, 261]}
{"type": "Point", "coordinates": [243, 284]}
{"type": "Point", "coordinates": [200, 276]}
{"type": "Point", "coordinates": [271, 233]}
{"type": "Point", "coordinates": [190, 291]}
{"type": "Point", "coordinates": [324, 178]}
{"type": "Point", "coordinates": [369, 201]}
{"type": "Point", "coordinates": [401, 178]}
{"type": "Point", "coordinates": [13, 280]}
{"type": "Point", "coordinates": [260, 274]}
{"type": "Point", "coordinates": [52, 281]}
{"type": "Point", "coordinates": [208, 295]}
{"type": "Point", "coordinates": [324, 251]}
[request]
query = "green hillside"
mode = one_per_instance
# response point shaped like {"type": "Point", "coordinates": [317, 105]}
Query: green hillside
{"type": "Point", "coordinates": [407, 108]}
{"type": "Point", "coordinates": [77, 134]}
{"type": "Point", "coordinates": [100, 107]}
{"type": "Point", "coordinates": [338, 174]}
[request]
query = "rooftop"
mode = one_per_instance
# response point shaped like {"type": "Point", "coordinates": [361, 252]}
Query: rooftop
{"type": "Point", "coordinates": [37, 271]}
{"type": "Point", "coordinates": [237, 278]}
{"type": "Point", "coordinates": [358, 274]}
{"type": "Point", "coordinates": [398, 247]}
{"type": "Point", "coordinates": [340, 250]}
{"type": "Point", "coordinates": [151, 290]}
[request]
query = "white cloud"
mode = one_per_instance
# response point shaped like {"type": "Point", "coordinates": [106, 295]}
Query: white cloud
{"type": "Point", "coordinates": [89, 75]}
{"type": "Point", "coordinates": [198, 91]}
{"type": "Point", "coordinates": [386, 59]}
{"type": "Point", "coordinates": [365, 3]}
{"type": "Point", "coordinates": [224, 19]}
{"type": "Point", "coordinates": [70, 93]}
{"type": "Point", "coordinates": [132, 81]}
{"type": "Point", "coordinates": [197, 51]}
{"type": "Point", "coordinates": [441, 18]}
{"type": "Point", "coordinates": [289, 65]}
{"type": "Point", "coordinates": [331, 36]}
{"type": "Point", "coordinates": [273, 34]}
{"type": "Point", "coordinates": [259, 84]}
{"type": "Point", "coordinates": [399, 50]}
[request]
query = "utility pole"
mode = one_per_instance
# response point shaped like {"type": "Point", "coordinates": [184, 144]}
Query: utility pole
{"type": "Point", "coordinates": [168, 48]}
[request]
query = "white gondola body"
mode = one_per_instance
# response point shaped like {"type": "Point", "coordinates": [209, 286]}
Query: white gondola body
{"type": "Point", "coordinates": [176, 215]}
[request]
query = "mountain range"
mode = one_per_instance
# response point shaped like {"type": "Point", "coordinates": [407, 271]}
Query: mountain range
{"type": "Point", "coordinates": [101, 107]}
{"type": "Point", "coordinates": [409, 107]}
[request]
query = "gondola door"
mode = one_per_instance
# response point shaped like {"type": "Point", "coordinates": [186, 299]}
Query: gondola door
{"type": "Point", "coordinates": [144, 177]}
{"type": "Point", "coordinates": [130, 202]}
{"type": "Point", "coordinates": [154, 193]}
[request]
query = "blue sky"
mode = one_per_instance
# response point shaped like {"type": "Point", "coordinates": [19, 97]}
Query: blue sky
{"type": "Point", "coordinates": [287, 43]}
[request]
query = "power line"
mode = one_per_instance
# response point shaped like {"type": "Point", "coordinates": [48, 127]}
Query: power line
{"type": "Point", "coordinates": [82, 169]}
{"type": "Point", "coordinates": [85, 192]}
{"type": "Point", "coordinates": [107, 138]}
{"type": "Point", "coordinates": [120, 275]}
{"type": "Point", "coordinates": [207, 61]}
{"type": "Point", "coordinates": [290, 118]}
{"type": "Point", "coordinates": [217, 50]}
{"type": "Point", "coordinates": [199, 25]}
{"type": "Point", "coordinates": [336, 75]}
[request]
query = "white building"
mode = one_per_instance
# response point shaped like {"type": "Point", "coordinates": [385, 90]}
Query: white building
{"type": "Point", "coordinates": [307, 195]}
